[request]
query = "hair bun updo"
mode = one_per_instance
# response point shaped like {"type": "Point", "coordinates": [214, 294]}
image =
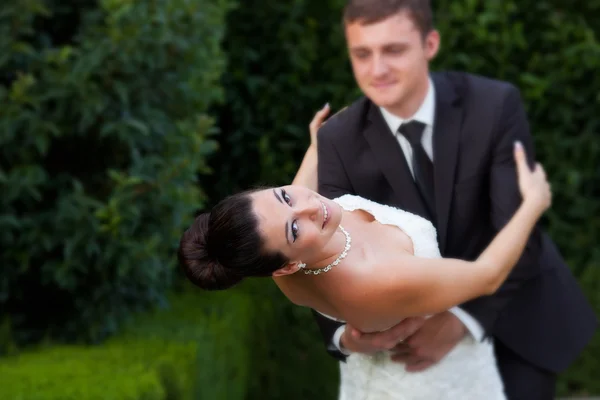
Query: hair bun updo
{"type": "Point", "coordinates": [199, 265]}
{"type": "Point", "coordinates": [225, 246]}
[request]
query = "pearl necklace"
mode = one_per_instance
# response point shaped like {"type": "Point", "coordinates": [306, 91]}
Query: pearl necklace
{"type": "Point", "coordinates": [337, 260]}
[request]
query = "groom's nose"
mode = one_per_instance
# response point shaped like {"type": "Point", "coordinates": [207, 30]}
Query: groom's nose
{"type": "Point", "coordinates": [379, 66]}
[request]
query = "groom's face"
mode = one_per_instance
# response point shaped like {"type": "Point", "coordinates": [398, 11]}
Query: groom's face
{"type": "Point", "coordinates": [390, 61]}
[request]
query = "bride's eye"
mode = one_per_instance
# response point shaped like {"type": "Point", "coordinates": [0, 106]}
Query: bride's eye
{"type": "Point", "coordinates": [295, 230]}
{"type": "Point", "coordinates": [286, 197]}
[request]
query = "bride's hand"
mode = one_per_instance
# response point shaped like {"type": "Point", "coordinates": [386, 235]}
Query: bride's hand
{"type": "Point", "coordinates": [316, 123]}
{"type": "Point", "coordinates": [533, 184]}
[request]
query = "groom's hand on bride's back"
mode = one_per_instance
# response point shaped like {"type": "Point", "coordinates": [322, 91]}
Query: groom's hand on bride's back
{"type": "Point", "coordinates": [355, 341]}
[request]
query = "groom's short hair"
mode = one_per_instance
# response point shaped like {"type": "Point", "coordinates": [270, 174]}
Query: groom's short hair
{"type": "Point", "coordinates": [372, 11]}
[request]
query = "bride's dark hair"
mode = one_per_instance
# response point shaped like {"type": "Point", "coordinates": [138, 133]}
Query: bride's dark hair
{"type": "Point", "coordinates": [225, 246]}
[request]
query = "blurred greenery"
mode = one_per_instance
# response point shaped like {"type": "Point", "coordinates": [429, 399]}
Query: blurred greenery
{"type": "Point", "coordinates": [103, 132]}
{"type": "Point", "coordinates": [137, 370]}
{"type": "Point", "coordinates": [203, 345]}
{"type": "Point", "coordinates": [286, 60]}
{"type": "Point", "coordinates": [198, 347]}
{"type": "Point", "coordinates": [108, 146]}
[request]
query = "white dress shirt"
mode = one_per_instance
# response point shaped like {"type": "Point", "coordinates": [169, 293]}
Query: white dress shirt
{"type": "Point", "coordinates": [426, 115]}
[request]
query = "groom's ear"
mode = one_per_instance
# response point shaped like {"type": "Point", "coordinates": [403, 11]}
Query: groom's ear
{"type": "Point", "coordinates": [432, 44]}
{"type": "Point", "coordinates": [290, 268]}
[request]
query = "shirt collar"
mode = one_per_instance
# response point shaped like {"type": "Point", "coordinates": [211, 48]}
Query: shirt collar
{"type": "Point", "coordinates": [424, 114]}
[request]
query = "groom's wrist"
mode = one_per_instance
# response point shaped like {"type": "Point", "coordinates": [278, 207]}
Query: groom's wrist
{"type": "Point", "coordinates": [338, 340]}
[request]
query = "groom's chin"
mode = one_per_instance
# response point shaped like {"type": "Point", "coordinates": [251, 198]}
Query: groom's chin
{"type": "Point", "coordinates": [385, 97]}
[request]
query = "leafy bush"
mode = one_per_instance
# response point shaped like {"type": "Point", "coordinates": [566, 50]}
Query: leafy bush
{"type": "Point", "coordinates": [289, 59]}
{"type": "Point", "coordinates": [103, 130]}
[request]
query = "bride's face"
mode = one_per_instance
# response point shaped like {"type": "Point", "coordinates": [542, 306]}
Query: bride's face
{"type": "Point", "coordinates": [296, 221]}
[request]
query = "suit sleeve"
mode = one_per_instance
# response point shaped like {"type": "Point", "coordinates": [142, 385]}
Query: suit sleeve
{"type": "Point", "coordinates": [332, 177]}
{"type": "Point", "coordinates": [333, 182]}
{"type": "Point", "coordinates": [505, 198]}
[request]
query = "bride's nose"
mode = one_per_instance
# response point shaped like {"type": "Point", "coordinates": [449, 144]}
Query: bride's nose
{"type": "Point", "coordinates": [309, 209]}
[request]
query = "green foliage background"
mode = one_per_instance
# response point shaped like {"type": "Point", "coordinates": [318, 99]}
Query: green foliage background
{"type": "Point", "coordinates": [108, 146]}
{"type": "Point", "coordinates": [103, 130]}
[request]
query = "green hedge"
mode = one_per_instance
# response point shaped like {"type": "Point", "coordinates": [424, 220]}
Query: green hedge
{"type": "Point", "coordinates": [223, 325]}
{"type": "Point", "coordinates": [201, 347]}
{"type": "Point", "coordinates": [103, 130]}
{"type": "Point", "coordinates": [141, 370]}
{"type": "Point", "coordinates": [288, 59]}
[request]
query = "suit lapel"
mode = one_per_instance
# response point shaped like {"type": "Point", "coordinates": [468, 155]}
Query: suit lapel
{"type": "Point", "coordinates": [392, 162]}
{"type": "Point", "coordinates": [446, 135]}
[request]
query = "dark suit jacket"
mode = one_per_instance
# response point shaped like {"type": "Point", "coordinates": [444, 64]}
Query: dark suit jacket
{"type": "Point", "coordinates": [540, 311]}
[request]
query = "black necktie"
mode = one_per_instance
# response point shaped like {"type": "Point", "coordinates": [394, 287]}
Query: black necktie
{"type": "Point", "coordinates": [421, 164]}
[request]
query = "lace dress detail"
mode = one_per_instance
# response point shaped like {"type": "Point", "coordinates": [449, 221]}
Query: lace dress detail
{"type": "Point", "coordinates": [468, 372]}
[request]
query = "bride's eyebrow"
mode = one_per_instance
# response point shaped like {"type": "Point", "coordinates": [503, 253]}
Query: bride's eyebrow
{"type": "Point", "coordinates": [287, 239]}
{"type": "Point", "coordinates": [277, 196]}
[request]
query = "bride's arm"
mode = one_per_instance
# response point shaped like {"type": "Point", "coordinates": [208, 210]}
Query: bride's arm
{"type": "Point", "coordinates": [307, 173]}
{"type": "Point", "coordinates": [412, 286]}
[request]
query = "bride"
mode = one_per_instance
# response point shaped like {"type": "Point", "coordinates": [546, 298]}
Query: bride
{"type": "Point", "coordinates": [365, 263]}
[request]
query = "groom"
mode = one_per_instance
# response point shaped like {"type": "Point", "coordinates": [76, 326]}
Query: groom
{"type": "Point", "coordinates": [440, 146]}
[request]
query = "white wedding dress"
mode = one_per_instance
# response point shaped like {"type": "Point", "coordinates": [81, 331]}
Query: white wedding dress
{"type": "Point", "coordinates": [468, 372]}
